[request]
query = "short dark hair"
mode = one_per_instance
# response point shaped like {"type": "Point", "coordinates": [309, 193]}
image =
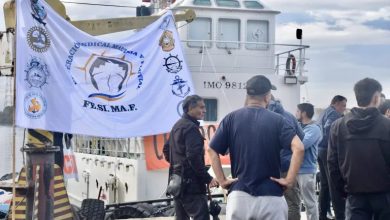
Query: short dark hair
{"type": "Point", "coordinates": [190, 102]}
{"type": "Point", "coordinates": [338, 98]}
{"type": "Point", "coordinates": [365, 90]}
{"type": "Point", "coordinates": [384, 106]}
{"type": "Point", "coordinates": [308, 108]}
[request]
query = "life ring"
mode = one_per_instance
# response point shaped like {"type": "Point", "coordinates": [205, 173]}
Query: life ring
{"type": "Point", "coordinates": [291, 64]}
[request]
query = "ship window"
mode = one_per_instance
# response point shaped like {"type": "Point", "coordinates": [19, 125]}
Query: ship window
{"type": "Point", "coordinates": [211, 109]}
{"type": "Point", "coordinates": [202, 2]}
{"type": "Point", "coordinates": [199, 33]}
{"type": "Point", "coordinates": [257, 32]}
{"type": "Point", "coordinates": [228, 30]}
{"type": "Point", "coordinates": [253, 4]}
{"type": "Point", "coordinates": [228, 3]}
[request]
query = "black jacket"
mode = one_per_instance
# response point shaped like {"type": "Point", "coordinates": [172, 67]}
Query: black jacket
{"type": "Point", "coordinates": [359, 152]}
{"type": "Point", "coordinates": [187, 145]}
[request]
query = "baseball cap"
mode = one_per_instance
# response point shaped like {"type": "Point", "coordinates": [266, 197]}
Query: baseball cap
{"type": "Point", "coordinates": [259, 85]}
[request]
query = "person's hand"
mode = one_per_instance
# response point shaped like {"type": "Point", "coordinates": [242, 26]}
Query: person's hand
{"type": "Point", "coordinates": [227, 182]}
{"type": "Point", "coordinates": [213, 183]}
{"type": "Point", "coordinates": [285, 183]}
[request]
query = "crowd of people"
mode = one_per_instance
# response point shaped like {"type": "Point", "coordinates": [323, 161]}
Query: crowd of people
{"type": "Point", "coordinates": [275, 157]}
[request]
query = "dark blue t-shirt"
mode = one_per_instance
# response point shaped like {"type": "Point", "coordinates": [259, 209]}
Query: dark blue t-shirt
{"type": "Point", "coordinates": [254, 137]}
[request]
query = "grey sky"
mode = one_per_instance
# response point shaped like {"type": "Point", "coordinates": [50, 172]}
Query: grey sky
{"type": "Point", "coordinates": [348, 39]}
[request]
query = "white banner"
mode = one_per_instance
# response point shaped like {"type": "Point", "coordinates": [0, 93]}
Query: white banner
{"type": "Point", "coordinates": [69, 81]}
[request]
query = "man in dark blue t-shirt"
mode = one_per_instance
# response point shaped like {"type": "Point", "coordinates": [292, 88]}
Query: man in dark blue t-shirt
{"type": "Point", "coordinates": [254, 137]}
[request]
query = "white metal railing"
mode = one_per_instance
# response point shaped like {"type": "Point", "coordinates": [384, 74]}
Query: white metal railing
{"type": "Point", "coordinates": [6, 52]}
{"type": "Point", "coordinates": [276, 53]}
{"type": "Point", "coordinates": [115, 147]}
{"type": "Point", "coordinates": [301, 60]}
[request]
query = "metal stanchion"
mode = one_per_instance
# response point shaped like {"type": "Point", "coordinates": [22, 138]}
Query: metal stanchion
{"type": "Point", "coordinates": [40, 174]}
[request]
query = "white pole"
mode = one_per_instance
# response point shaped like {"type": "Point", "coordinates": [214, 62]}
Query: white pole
{"type": "Point", "coordinates": [14, 139]}
{"type": "Point", "coordinates": [300, 57]}
{"type": "Point", "coordinates": [14, 126]}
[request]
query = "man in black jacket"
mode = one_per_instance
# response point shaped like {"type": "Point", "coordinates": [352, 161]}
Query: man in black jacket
{"type": "Point", "coordinates": [186, 159]}
{"type": "Point", "coordinates": [359, 155]}
{"type": "Point", "coordinates": [327, 191]}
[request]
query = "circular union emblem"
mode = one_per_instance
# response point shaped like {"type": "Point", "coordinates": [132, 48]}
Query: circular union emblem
{"type": "Point", "coordinates": [167, 42]}
{"type": "Point", "coordinates": [38, 10]}
{"type": "Point", "coordinates": [36, 77]}
{"type": "Point", "coordinates": [36, 72]}
{"type": "Point", "coordinates": [38, 39]}
{"type": "Point", "coordinates": [34, 105]}
{"type": "Point", "coordinates": [173, 64]}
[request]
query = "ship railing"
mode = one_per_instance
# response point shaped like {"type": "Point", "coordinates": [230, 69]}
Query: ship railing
{"type": "Point", "coordinates": [300, 60]}
{"type": "Point", "coordinates": [6, 66]}
{"type": "Point", "coordinates": [131, 148]}
{"type": "Point", "coordinates": [273, 56]}
{"type": "Point", "coordinates": [6, 49]}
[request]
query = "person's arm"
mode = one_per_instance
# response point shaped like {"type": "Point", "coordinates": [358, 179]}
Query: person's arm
{"type": "Point", "coordinates": [333, 116]}
{"type": "Point", "coordinates": [194, 143]}
{"type": "Point", "coordinates": [166, 150]}
{"type": "Point", "coordinates": [335, 177]}
{"type": "Point", "coordinates": [217, 168]}
{"type": "Point", "coordinates": [312, 135]}
{"type": "Point", "coordinates": [296, 160]}
{"type": "Point", "coordinates": [299, 131]}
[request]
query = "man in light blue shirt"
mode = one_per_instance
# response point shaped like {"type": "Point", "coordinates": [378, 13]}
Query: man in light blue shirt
{"type": "Point", "coordinates": [307, 173]}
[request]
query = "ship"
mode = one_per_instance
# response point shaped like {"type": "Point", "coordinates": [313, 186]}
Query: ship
{"type": "Point", "coordinates": [228, 42]}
